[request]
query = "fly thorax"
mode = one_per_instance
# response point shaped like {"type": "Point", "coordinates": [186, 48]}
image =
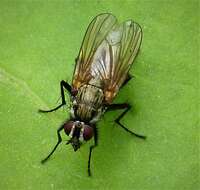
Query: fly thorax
{"type": "Point", "coordinates": [84, 111]}
{"type": "Point", "coordinates": [88, 100]}
{"type": "Point", "coordinates": [97, 114]}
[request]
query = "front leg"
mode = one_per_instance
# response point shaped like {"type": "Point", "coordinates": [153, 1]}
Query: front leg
{"type": "Point", "coordinates": [63, 85]}
{"type": "Point", "coordinates": [59, 141]}
{"type": "Point", "coordinates": [127, 107]}
{"type": "Point", "coordinates": [91, 148]}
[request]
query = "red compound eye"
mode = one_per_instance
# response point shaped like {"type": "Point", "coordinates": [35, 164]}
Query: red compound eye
{"type": "Point", "coordinates": [68, 127]}
{"type": "Point", "coordinates": [88, 132]}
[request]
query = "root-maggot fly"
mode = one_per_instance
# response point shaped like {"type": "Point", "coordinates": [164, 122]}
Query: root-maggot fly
{"type": "Point", "coordinates": [102, 68]}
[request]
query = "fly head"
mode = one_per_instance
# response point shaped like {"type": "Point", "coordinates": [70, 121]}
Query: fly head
{"type": "Point", "coordinates": [78, 133]}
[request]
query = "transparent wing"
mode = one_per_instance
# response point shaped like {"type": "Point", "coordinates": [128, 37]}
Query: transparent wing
{"type": "Point", "coordinates": [115, 56]}
{"type": "Point", "coordinates": [96, 32]}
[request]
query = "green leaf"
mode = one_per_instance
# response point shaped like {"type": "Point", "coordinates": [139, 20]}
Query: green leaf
{"type": "Point", "coordinates": [39, 41]}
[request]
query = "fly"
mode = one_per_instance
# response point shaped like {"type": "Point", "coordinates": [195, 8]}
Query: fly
{"type": "Point", "coordinates": [102, 69]}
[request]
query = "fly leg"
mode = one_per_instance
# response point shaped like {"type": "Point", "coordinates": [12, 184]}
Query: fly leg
{"type": "Point", "coordinates": [127, 107]}
{"type": "Point", "coordinates": [59, 141]}
{"type": "Point", "coordinates": [91, 148]}
{"type": "Point", "coordinates": [63, 85]}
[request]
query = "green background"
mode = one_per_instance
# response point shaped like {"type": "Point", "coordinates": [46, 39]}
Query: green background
{"type": "Point", "coordinates": [39, 41]}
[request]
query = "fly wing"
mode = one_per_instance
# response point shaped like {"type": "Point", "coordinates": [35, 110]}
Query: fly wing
{"type": "Point", "coordinates": [96, 32]}
{"type": "Point", "coordinates": [115, 56]}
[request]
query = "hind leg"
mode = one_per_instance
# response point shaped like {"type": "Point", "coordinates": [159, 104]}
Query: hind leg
{"type": "Point", "coordinates": [129, 77]}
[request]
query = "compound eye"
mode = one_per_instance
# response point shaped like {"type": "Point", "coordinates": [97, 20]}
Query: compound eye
{"type": "Point", "coordinates": [88, 132]}
{"type": "Point", "coordinates": [68, 127]}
